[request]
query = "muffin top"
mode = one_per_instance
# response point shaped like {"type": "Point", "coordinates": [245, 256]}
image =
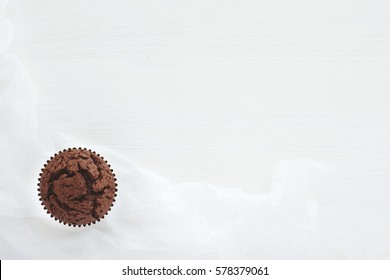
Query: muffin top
{"type": "Point", "coordinates": [77, 187]}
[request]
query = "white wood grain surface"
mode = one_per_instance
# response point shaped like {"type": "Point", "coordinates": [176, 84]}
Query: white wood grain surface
{"type": "Point", "coordinates": [291, 96]}
{"type": "Point", "coordinates": [214, 91]}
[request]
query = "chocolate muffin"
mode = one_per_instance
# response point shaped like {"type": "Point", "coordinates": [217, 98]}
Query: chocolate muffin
{"type": "Point", "coordinates": [77, 187]}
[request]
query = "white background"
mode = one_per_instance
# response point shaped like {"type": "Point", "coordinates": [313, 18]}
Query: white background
{"type": "Point", "coordinates": [277, 270]}
{"type": "Point", "coordinates": [237, 129]}
{"type": "Point", "coordinates": [212, 91]}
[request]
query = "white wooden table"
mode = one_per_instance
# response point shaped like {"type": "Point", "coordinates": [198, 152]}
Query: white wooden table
{"type": "Point", "coordinates": [221, 92]}
{"type": "Point", "coordinates": [205, 91]}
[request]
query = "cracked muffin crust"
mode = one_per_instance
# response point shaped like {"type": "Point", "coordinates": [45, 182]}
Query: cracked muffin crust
{"type": "Point", "coordinates": [77, 187]}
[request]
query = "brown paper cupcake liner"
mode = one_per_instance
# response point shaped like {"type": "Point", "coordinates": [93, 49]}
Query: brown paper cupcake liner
{"type": "Point", "coordinates": [77, 187]}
